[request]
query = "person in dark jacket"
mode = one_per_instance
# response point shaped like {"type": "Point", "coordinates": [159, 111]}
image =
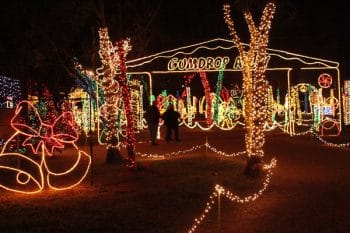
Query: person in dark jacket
{"type": "Point", "coordinates": [171, 122]}
{"type": "Point", "coordinates": [152, 116]}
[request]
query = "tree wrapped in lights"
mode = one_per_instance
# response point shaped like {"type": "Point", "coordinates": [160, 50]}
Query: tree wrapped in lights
{"type": "Point", "coordinates": [113, 61]}
{"type": "Point", "coordinates": [255, 85]}
{"type": "Point", "coordinates": [123, 48]}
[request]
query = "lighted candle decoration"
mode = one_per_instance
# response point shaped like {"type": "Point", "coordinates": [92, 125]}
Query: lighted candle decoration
{"type": "Point", "coordinates": [254, 82]}
{"type": "Point", "coordinates": [42, 139]}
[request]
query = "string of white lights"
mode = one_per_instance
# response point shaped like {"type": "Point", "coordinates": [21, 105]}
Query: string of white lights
{"type": "Point", "coordinates": [221, 191]}
{"type": "Point", "coordinates": [192, 149]}
{"type": "Point", "coordinates": [234, 154]}
{"type": "Point", "coordinates": [329, 143]}
{"type": "Point", "coordinates": [171, 154]}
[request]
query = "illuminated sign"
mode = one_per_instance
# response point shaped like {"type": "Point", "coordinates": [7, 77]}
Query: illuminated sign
{"type": "Point", "coordinates": [238, 65]}
{"type": "Point", "coordinates": [208, 63]}
{"type": "Point", "coordinates": [197, 63]}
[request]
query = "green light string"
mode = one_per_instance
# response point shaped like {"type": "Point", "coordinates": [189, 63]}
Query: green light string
{"type": "Point", "coordinates": [218, 92]}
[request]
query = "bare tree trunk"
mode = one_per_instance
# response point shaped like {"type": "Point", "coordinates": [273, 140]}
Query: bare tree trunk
{"type": "Point", "coordinates": [254, 167]}
{"type": "Point", "coordinates": [114, 156]}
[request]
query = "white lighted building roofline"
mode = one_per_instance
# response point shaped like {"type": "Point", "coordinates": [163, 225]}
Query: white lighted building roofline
{"type": "Point", "coordinates": [194, 70]}
{"type": "Point", "coordinates": [204, 45]}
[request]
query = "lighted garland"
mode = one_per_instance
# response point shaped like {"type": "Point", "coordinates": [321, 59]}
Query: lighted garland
{"type": "Point", "coordinates": [205, 128]}
{"type": "Point", "coordinates": [309, 131]}
{"type": "Point", "coordinates": [206, 145]}
{"type": "Point", "coordinates": [221, 191]}
{"type": "Point", "coordinates": [171, 154]}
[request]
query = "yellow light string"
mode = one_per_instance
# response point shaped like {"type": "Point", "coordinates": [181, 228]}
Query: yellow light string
{"type": "Point", "coordinates": [221, 153]}
{"type": "Point", "coordinates": [313, 133]}
{"type": "Point", "coordinates": [171, 154]}
{"type": "Point", "coordinates": [185, 151]}
{"type": "Point", "coordinates": [220, 190]}
{"type": "Point", "coordinates": [330, 143]}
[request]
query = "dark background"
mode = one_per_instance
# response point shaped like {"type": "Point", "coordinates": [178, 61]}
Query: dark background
{"type": "Point", "coordinates": [40, 39]}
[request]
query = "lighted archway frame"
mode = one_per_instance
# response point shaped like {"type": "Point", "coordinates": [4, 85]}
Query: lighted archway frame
{"type": "Point", "coordinates": [307, 63]}
{"type": "Point", "coordinates": [42, 140]}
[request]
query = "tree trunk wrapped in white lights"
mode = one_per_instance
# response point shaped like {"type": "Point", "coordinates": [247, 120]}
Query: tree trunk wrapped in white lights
{"type": "Point", "coordinates": [255, 86]}
{"type": "Point", "coordinates": [112, 58]}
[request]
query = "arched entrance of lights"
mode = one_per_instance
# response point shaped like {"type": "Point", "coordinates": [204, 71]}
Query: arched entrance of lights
{"type": "Point", "coordinates": [289, 116]}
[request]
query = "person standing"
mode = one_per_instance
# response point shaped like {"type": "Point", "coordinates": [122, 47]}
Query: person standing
{"type": "Point", "coordinates": [152, 116]}
{"type": "Point", "coordinates": [171, 121]}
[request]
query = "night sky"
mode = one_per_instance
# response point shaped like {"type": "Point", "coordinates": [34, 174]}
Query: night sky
{"type": "Point", "coordinates": [40, 38]}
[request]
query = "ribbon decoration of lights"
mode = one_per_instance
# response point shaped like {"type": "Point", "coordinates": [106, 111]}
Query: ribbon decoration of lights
{"type": "Point", "coordinates": [42, 139]}
{"type": "Point", "coordinates": [254, 82]}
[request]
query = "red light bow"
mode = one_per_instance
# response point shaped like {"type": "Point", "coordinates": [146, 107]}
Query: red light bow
{"type": "Point", "coordinates": [50, 136]}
